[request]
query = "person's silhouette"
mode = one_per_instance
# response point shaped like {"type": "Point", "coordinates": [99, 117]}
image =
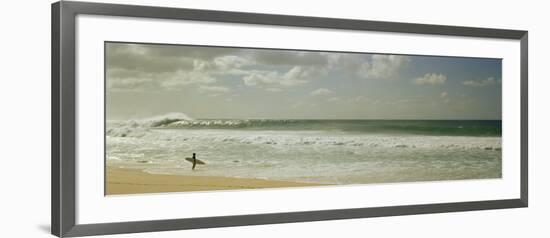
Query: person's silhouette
{"type": "Point", "coordinates": [194, 161]}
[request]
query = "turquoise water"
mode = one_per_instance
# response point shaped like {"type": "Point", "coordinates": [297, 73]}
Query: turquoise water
{"type": "Point", "coordinates": [419, 127]}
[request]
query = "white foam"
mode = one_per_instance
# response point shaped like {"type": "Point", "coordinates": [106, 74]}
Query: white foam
{"type": "Point", "coordinates": [170, 115]}
{"type": "Point", "coordinates": [313, 156]}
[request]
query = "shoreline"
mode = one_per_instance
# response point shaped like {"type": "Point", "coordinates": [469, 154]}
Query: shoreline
{"type": "Point", "coordinates": [120, 181]}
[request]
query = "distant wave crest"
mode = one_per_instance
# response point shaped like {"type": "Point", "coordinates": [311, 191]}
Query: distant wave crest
{"type": "Point", "coordinates": [139, 127]}
{"type": "Point", "coordinates": [411, 127]}
{"type": "Point", "coordinates": [225, 123]}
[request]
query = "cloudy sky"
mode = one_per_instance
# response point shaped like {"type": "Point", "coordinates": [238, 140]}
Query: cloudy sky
{"type": "Point", "coordinates": [145, 80]}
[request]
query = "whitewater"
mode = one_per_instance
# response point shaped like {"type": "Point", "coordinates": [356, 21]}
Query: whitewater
{"type": "Point", "coordinates": [318, 151]}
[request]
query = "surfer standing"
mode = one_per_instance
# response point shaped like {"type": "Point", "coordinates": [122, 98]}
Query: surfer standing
{"type": "Point", "coordinates": [194, 161]}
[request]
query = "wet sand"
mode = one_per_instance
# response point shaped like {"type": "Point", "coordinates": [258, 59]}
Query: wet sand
{"type": "Point", "coordinates": [133, 181]}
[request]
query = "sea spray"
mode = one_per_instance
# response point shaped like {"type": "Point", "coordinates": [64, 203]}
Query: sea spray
{"type": "Point", "coordinates": [333, 151]}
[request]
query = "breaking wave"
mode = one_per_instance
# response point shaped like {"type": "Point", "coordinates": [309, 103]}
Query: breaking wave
{"type": "Point", "coordinates": [367, 151]}
{"type": "Point", "coordinates": [491, 128]}
{"type": "Point", "coordinates": [140, 127]}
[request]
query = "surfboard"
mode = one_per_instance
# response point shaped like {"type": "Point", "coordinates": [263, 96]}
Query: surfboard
{"type": "Point", "coordinates": [191, 160]}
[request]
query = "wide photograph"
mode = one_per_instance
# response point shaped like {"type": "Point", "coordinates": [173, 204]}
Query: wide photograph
{"type": "Point", "coordinates": [188, 118]}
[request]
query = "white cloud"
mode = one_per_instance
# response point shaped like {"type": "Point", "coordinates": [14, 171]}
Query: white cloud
{"type": "Point", "coordinates": [445, 96]}
{"type": "Point", "coordinates": [290, 58]}
{"type": "Point", "coordinates": [383, 66]}
{"type": "Point", "coordinates": [141, 67]}
{"type": "Point", "coordinates": [320, 92]}
{"type": "Point", "coordinates": [334, 99]}
{"type": "Point", "coordinates": [201, 65]}
{"type": "Point", "coordinates": [124, 80]}
{"type": "Point", "coordinates": [181, 79]}
{"type": "Point", "coordinates": [431, 79]}
{"type": "Point", "coordinates": [480, 83]}
{"type": "Point", "coordinates": [131, 84]}
{"type": "Point", "coordinates": [261, 78]}
{"type": "Point", "coordinates": [230, 62]}
{"type": "Point", "coordinates": [214, 89]}
{"type": "Point", "coordinates": [368, 66]}
{"type": "Point", "coordinates": [272, 79]}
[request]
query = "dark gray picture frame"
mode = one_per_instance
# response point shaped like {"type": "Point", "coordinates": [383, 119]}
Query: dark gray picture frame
{"type": "Point", "coordinates": [63, 201]}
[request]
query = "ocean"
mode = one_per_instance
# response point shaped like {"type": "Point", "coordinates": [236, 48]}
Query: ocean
{"type": "Point", "coordinates": [317, 151]}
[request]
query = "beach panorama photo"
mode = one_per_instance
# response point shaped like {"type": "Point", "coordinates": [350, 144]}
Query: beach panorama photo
{"type": "Point", "coordinates": [187, 118]}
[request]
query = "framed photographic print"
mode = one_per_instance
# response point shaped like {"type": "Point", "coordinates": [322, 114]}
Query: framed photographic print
{"type": "Point", "coordinates": [167, 119]}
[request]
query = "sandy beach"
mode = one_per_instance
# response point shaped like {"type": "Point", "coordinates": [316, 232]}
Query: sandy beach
{"type": "Point", "coordinates": [133, 181]}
